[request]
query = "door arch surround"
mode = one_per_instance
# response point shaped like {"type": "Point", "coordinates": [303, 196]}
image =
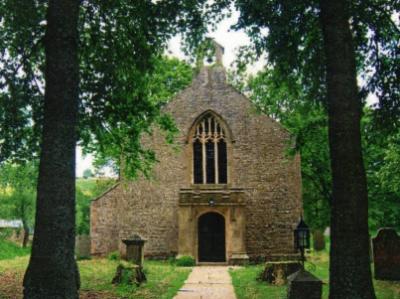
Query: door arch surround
{"type": "Point", "coordinates": [211, 237]}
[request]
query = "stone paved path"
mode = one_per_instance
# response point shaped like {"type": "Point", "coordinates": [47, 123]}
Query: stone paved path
{"type": "Point", "coordinates": [207, 282]}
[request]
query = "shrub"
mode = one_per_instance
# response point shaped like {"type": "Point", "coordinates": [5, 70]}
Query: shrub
{"type": "Point", "coordinates": [185, 261]}
{"type": "Point", "coordinates": [114, 256]}
{"type": "Point", "coordinates": [172, 260]}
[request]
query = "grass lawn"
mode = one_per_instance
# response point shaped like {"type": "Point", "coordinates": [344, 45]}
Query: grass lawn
{"type": "Point", "coordinates": [164, 280]}
{"type": "Point", "coordinates": [10, 250]}
{"type": "Point", "coordinates": [248, 287]}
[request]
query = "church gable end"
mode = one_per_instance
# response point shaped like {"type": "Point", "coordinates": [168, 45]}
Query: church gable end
{"type": "Point", "coordinates": [230, 161]}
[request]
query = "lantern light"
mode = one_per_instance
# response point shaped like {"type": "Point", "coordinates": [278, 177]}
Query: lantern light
{"type": "Point", "coordinates": [302, 238]}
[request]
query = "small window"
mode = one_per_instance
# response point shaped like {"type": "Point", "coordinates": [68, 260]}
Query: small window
{"type": "Point", "coordinates": [210, 161]}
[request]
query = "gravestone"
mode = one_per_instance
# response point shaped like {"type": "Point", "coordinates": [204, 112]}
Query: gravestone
{"type": "Point", "coordinates": [135, 249]}
{"type": "Point", "coordinates": [82, 246]}
{"type": "Point", "coordinates": [319, 240]}
{"type": "Point", "coordinates": [386, 251]}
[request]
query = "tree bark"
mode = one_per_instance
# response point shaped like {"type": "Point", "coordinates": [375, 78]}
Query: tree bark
{"type": "Point", "coordinates": [52, 270]}
{"type": "Point", "coordinates": [350, 272]}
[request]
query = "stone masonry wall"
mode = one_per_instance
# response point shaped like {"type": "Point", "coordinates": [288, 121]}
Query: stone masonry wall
{"type": "Point", "coordinates": [257, 161]}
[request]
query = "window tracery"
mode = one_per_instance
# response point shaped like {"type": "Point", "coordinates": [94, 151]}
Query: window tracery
{"type": "Point", "coordinates": [209, 152]}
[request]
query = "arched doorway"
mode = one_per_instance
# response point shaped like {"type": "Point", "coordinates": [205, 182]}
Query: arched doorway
{"type": "Point", "coordinates": [211, 234]}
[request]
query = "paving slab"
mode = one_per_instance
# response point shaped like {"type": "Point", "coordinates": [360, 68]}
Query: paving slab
{"type": "Point", "coordinates": [208, 282]}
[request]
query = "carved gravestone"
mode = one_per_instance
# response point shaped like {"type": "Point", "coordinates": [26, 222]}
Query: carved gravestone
{"type": "Point", "coordinates": [82, 246]}
{"type": "Point", "coordinates": [319, 240]}
{"type": "Point", "coordinates": [131, 270]}
{"type": "Point", "coordinates": [386, 251]}
{"type": "Point", "coordinates": [135, 250]}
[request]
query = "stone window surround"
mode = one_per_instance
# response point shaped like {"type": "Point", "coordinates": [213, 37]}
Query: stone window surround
{"type": "Point", "coordinates": [229, 141]}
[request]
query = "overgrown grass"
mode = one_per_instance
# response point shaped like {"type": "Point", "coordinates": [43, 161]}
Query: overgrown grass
{"type": "Point", "coordinates": [163, 279]}
{"type": "Point", "coordinates": [248, 287]}
{"type": "Point", "coordinates": [10, 250]}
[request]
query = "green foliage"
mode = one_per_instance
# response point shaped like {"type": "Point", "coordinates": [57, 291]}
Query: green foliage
{"type": "Point", "coordinates": [10, 250]}
{"type": "Point", "coordinates": [18, 195]}
{"type": "Point", "coordinates": [114, 256]}
{"type": "Point", "coordinates": [18, 192]}
{"type": "Point", "coordinates": [380, 149]}
{"type": "Point", "coordinates": [117, 146]}
{"type": "Point", "coordinates": [123, 77]}
{"type": "Point", "coordinates": [185, 261]}
{"type": "Point", "coordinates": [289, 32]}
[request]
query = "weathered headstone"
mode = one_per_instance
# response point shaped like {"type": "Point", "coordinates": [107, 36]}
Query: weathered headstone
{"type": "Point", "coordinates": [386, 251]}
{"type": "Point", "coordinates": [304, 285]}
{"type": "Point", "coordinates": [319, 240]}
{"type": "Point", "coordinates": [135, 249]}
{"type": "Point", "coordinates": [82, 246]}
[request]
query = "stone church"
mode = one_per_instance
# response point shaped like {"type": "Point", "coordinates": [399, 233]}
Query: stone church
{"type": "Point", "coordinates": [225, 191]}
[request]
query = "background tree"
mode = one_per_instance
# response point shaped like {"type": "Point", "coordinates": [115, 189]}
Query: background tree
{"type": "Point", "coordinates": [119, 43]}
{"type": "Point", "coordinates": [307, 123]}
{"type": "Point", "coordinates": [381, 151]}
{"type": "Point", "coordinates": [52, 271]}
{"type": "Point", "coordinates": [18, 192]}
{"type": "Point", "coordinates": [311, 43]}
{"type": "Point", "coordinates": [349, 209]}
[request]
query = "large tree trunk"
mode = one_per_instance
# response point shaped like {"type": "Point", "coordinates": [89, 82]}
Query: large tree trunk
{"type": "Point", "coordinates": [52, 271]}
{"type": "Point", "coordinates": [350, 273]}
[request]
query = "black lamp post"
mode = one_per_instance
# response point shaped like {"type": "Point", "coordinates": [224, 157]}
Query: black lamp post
{"type": "Point", "coordinates": [302, 238]}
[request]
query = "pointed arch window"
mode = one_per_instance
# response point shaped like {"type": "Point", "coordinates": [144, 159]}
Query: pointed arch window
{"type": "Point", "coordinates": [210, 162]}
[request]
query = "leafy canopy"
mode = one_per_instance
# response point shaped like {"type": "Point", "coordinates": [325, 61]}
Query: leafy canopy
{"type": "Point", "coordinates": [120, 45]}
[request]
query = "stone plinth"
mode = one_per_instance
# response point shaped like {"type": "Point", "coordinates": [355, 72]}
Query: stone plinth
{"type": "Point", "coordinates": [304, 285]}
{"type": "Point", "coordinates": [386, 251]}
{"type": "Point", "coordinates": [82, 246]}
{"type": "Point", "coordinates": [127, 273]}
{"type": "Point", "coordinates": [134, 250]}
{"type": "Point", "coordinates": [318, 240]}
